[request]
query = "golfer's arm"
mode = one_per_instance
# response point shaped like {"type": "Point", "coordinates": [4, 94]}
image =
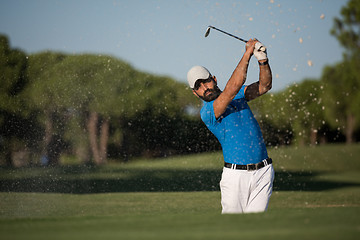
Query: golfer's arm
{"type": "Point", "coordinates": [262, 86]}
{"type": "Point", "coordinates": [233, 86]}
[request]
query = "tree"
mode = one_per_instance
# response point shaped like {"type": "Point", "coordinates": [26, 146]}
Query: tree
{"type": "Point", "coordinates": [342, 97]}
{"type": "Point", "coordinates": [85, 99]}
{"type": "Point", "coordinates": [14, 115]}
{"type": "Point", "coordinates": [294, 115]}
{"type": "Point", "coordinates": [102, 90]}
{"type": "Point", "coordinates": [347, 29]}
{"type": "Point", "coordinates": [342, 81]}
{"type": "Point", "coordinates": [306, 110]}
{"type": "Point", "coordinates": [272, 112]}
{"type": "Point", "coordinates": [162, 127]}
{"type": "Point", "coordinates": [40, 94]}
{"type": "Point", "coordinates": [91, 89]}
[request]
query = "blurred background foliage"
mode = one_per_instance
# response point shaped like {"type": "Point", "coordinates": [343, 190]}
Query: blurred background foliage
{"type": "Point", "coordinates": [97, 107]}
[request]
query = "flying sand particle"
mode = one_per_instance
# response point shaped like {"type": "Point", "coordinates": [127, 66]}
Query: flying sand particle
{"type": "Point", "coordinates": [310, 63]}
{"type": "Point", "coordinates": [322, 16]}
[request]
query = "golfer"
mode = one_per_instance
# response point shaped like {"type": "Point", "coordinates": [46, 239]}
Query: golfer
{"type": "Point", "coordinates": [247, 177]}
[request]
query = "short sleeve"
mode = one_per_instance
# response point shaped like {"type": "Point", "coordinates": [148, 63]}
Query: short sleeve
{"type": "Point", "coordinates": [207, 111]}
{"type": "Point", "coordinates": [208, 115]}
{"type": "Point", "coordinates": [241, 93]}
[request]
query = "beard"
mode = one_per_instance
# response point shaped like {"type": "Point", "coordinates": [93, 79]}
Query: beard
{"type": "Point", "coordinates": [211, 94]}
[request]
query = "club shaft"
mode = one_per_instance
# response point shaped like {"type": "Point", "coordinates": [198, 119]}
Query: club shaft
{"type": "Point", "coordinates": [228, 34]}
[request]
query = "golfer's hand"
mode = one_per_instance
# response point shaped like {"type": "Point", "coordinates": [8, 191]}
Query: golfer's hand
{"type": "Point", "coordinates": [260, 51]}
{"type": "Point", "coordinates": [250, 45]}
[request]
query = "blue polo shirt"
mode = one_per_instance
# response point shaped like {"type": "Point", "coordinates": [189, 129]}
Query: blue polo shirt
{"type": "Point", "coordinates": [237, 131]}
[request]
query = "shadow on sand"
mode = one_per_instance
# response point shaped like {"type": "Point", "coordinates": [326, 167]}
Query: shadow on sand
{"type": "Point", "coordinates": [78, 181]}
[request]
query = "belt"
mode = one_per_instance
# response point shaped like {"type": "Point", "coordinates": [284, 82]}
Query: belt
{"type": "Point", "coordinates": [249, 167]}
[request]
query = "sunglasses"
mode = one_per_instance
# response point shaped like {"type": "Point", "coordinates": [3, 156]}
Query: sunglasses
{"type": "Point", "coordinates": [199, 81]}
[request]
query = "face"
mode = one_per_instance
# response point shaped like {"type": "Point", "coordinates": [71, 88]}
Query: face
{"type": "Point", "coordinates": [207, 89]}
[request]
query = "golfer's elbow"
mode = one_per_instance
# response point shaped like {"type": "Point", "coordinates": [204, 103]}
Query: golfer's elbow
{"type": "Point", "coordinates": [265, 80]}
{"type": "Point", "coordinates": [265, 87]}
{"type": "Point", "coordinates": [268, 87]}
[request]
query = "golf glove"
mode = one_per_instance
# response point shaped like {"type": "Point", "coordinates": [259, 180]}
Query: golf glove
{"type": "Point", "coordinates": [260, 51]}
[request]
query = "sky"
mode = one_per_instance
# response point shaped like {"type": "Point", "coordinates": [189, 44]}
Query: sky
{"type": "Point", "coordinates": [166, 37]}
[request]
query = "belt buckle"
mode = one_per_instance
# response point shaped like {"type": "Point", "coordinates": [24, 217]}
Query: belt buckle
{"type": "Point", "coordinates": [250, 167]}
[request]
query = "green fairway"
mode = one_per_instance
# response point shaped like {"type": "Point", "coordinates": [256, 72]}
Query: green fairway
{"type": "Point", "coordinates": [316, 196]}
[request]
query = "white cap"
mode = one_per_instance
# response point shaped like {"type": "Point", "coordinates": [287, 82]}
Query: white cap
{"type": "Point", "coordinates": [195, 73]}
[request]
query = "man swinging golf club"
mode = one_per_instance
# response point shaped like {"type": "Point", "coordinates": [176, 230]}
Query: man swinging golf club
{"type": "Point", "coordinates": [247, 178]}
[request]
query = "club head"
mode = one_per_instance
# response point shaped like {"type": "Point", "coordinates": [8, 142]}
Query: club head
{"type": "Point", "coordinates": [207, 32]}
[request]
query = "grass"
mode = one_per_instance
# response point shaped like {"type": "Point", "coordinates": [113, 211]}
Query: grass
{"type": "Point", "coordinates": [316, 196]}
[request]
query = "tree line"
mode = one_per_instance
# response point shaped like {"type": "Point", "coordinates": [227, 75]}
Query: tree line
{"type": "Point", "coordinates": [320, 110]}
{"type": "Point", "coordinates": [91, 106]}
{"type": "Point", "coordinates": [96, 107]}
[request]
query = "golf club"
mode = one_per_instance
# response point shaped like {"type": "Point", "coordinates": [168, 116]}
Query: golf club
{"type": "Point", "coordinates": [208, 32]}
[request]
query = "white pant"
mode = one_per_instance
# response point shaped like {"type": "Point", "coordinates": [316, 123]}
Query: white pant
{"type": "Point", "coordinates": [245, 191]}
